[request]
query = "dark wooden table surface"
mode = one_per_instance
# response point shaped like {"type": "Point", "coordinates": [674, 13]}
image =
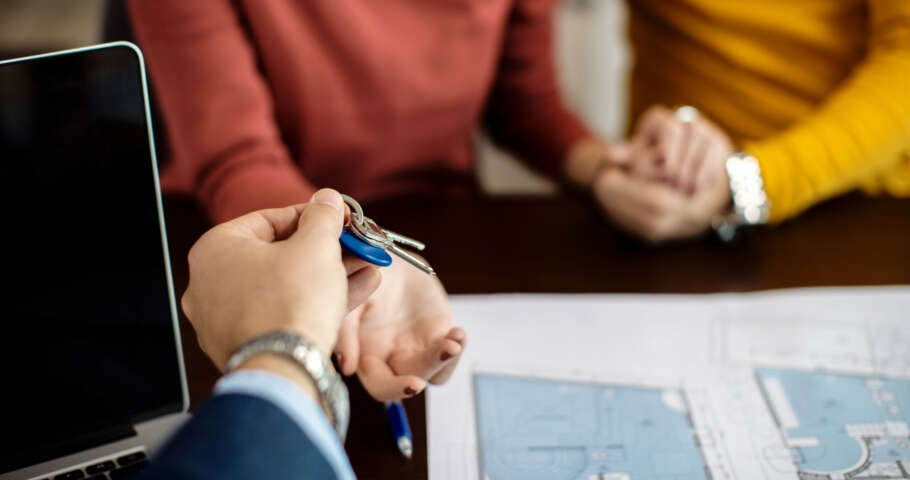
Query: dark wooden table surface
{"type": "Point", "coordinates": [562, 244]}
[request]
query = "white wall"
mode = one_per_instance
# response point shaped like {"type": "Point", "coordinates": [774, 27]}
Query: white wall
{"type": "Point", "coordinates": [593, 60]}
{"type": "Point", "coordinates": [30, 25]}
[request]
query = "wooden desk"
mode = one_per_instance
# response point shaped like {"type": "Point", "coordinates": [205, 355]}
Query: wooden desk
{"type": "Point", "coordinates": [563, 245]}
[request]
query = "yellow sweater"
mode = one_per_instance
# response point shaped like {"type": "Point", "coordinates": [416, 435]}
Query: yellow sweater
{"type": "Point", "coordinates": [817, 90]}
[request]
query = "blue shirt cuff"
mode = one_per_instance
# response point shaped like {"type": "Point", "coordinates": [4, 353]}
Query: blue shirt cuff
{"type": "Point", "coordinates": [287, 396]}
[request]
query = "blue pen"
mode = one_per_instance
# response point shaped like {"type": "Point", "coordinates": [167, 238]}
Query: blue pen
{"type": "Point", "coordinates": [398, 420]}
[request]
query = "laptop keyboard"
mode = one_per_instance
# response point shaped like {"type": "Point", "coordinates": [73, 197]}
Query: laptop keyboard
{"type": "Point", "coordinates": [123, 467]}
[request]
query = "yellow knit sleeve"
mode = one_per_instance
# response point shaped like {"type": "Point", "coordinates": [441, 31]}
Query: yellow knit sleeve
{"type": "Point", "coordinates": [859, 131]}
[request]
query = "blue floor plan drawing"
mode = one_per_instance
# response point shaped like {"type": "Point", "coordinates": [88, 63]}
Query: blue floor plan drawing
{"type": "Point", "coordinates": [532, 429]}
{"type": "Point", "coordinates": [841, 426]}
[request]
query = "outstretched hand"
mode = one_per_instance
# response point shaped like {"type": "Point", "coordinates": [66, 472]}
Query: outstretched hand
{"type": "Point", "coordinates": [402, 337]}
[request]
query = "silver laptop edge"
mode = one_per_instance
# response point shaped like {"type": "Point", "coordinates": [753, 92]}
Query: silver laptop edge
{"type": "Point", "coordinates": [150, 433]}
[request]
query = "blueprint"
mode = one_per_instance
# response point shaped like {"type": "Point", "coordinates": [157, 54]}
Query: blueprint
{"type": "Point", "coordinates": [545, 429]}
{"type": "Point", "coordinates": [791, 384]}
{"type": "Point", "coordinates": [841, 426]}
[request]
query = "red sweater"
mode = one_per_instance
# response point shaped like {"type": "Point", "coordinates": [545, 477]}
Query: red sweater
{"type": "Point", "coordinates": [265, 100]}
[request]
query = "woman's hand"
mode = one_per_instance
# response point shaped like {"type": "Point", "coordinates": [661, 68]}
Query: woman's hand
{"type": "Point", "coordinates": [402, 337]}
{"type": "Point", "coordinates": [681, 148]}
{"type": "Point", "coordinates": [655, 211]}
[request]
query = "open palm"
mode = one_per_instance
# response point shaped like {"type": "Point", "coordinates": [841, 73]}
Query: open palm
{"type": "Point", "coordinates": [402, 336]}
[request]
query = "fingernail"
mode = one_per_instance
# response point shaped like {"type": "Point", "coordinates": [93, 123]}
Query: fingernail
{"type": "Point", "coordinates": [445, 356]}
{"type": "Point", "coordinates": [340, 359]}
{"type": "Point", "coordinates": [409, 391]}
{"type": "Point", "coordinates": [328, 197]}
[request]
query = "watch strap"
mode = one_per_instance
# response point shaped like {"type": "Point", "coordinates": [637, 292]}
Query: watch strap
{"type": "Point", "coordinates": [333, 393]}
{"type": "Point", "coordinates": [750, 202]}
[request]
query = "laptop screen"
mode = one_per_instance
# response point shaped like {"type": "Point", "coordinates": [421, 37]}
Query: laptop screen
{"type": "Point", "coordinates": [88, 338]}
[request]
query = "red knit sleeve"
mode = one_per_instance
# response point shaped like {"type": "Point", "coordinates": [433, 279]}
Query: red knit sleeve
{"type": "Point", "coordinates": [526, 113]}
{"type": "Point", "coordinates": [217, 108]}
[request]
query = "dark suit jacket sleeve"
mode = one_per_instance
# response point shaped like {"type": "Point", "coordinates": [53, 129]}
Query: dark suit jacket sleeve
{"type": "Point", "coordinates": [237, 436]}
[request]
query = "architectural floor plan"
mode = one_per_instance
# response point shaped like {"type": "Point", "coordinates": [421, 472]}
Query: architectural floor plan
{"type": "Point", "coordinates": [841, 426]}
{"type": "Point", "coordinates": [533, 428]}
{"type": "Point", "coordinates": [808, 384]}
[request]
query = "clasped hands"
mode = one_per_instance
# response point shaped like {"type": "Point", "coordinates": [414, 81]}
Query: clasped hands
{"type": "Point", "coordinates": [283, 269]}
{"type": "Point", "coordinates": [668, 181]}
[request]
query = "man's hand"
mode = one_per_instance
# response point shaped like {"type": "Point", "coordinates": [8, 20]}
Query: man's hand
{"type": "Point", "coordinates": [655, 211]}
{"type": "Point", "coordinates": [270, 270]}
{"type": "Point", "coordinates": [402, 336]}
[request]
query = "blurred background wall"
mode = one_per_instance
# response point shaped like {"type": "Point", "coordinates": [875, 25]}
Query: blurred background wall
{"type": "Point", "coordinates": [592, 56]}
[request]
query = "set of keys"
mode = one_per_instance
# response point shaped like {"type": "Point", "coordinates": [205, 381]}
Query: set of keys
{"type": "Point", "coordinates": [370, 242]}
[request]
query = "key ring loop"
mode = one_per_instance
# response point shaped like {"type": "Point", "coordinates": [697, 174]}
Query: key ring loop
{"type": "Point", "coordinates": [361, 230]}
{"type": "Point", "coordinates": [356, 209]}
{"type": "Point", "coordinates": [364, 227]}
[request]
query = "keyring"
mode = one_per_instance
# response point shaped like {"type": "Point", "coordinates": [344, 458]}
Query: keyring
{"type": "Point", "coordinates": [367, 240]}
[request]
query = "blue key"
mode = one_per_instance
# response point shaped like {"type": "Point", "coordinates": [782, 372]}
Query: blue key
{"type": "Point", "coordinates": [365, 251]}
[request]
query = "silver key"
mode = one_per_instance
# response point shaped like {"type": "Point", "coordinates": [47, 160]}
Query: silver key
{"type": "Point", "coordinates": [369, 231]}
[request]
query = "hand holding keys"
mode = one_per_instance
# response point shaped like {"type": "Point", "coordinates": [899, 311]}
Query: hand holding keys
{"type": "Point", "coordinates": [367, 240]}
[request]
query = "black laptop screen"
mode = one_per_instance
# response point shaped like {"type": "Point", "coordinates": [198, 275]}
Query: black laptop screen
{"type": "Point", "coordinates": [88, 342]}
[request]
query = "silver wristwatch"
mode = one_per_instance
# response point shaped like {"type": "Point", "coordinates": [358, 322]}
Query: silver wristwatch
{"type": "Point", "coordinates": [332, 391]}
{"type": "Point", "coordinates": [750, 203]}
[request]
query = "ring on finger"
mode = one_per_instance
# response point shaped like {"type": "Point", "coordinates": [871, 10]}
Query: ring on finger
{"type": "Point", "coordinates": [687, 114]}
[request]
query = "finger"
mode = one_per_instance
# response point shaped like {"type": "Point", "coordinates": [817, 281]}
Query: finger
{"type": "Point", "coordinates": [361, 285]}
{"type": "Point", "coordinates": [383, 384]}
{"type": "Point", "coordinates": [647, 146]}
{"type": "Point", "coordinates": [651, 127]}
{"type": "Point", "coordinates": [429, 361]}
{"type": "Point", "coordinates": [672, 145]}
{"type": "Point", "coordinates": [712, 167]}
{"type": "Point", "coordinates": [616, 198]}
{"type": "Point", "coordinates": [443, 375]}
{"type": "Point", "coordinates": [347, 350]}
{"type": "Point", "coordinates": [700, 142]}
{"type": "Point", "coordinates": [647, 161]}
{"type": "Point", "coordinates": [322, 218]}
{"type": "Point", "coordinates": [653, 121]}
{"type": "Point", "coordinates": [353, 264]}
{"type": "Point", "coordinates": [459, 335]}
{"type": "Point", "coordinates": [268, 225]}
{"type": "Point", "coordinates": [633, 215]}
{"type": "Point", "coordinates": [646, 209]}
{"type": "Point", "coordinates": [619, 154]}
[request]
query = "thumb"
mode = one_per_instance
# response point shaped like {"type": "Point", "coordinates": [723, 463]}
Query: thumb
{"type": "Point", "coordinates": [322, 218]}
{"type": "Point", "coordinates": [619, 154]}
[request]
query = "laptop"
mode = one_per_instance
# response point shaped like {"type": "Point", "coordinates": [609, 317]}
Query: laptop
{"type": "Point", "coordinates": [91, 369]}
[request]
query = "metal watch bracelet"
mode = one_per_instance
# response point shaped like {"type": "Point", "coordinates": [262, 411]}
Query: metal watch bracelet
{"type": "Point", "coordinates": [332, 391]}
{"type": "Point", "coordinates": [750, 203]}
